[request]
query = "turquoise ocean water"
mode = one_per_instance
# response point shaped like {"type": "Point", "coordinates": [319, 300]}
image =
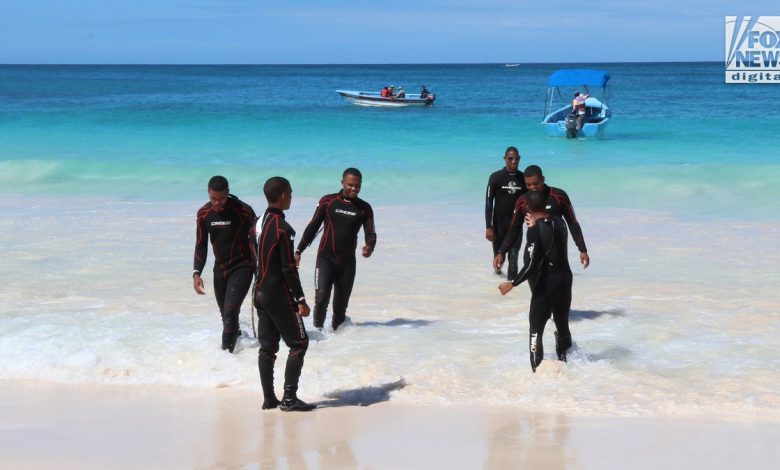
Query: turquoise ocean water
{"type": "Point", "coordinates": [680, 138]}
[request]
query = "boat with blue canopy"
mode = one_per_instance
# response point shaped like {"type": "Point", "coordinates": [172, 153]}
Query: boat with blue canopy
{"type": "Point", "coordinates": [592, 115]}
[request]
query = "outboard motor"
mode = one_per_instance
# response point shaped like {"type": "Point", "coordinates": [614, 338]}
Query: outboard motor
{"type": "Point", "coordinates": [571, 126]}
{"type": "Point", "coordinates": [430, 98]}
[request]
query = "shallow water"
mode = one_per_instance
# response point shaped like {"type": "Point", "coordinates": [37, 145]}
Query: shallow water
{"type": "Point", "coordinates": [103, 169]}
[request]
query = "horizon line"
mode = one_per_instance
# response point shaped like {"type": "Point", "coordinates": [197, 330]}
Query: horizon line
{"type": "Point", "coordinates": [196, 64]}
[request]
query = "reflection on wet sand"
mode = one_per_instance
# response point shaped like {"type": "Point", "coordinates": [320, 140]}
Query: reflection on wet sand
{"type": "Point", "coordinates": [529, 441]}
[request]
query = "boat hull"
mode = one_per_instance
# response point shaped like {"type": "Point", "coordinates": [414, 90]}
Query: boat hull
{"type": "Point", "coordinates": [555, 123]}
{"type": "Point", "coordinates": [373, 99]}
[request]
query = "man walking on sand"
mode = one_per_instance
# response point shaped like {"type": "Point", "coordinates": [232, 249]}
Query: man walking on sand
{"type": "Point", "coordinates": [279, 300]}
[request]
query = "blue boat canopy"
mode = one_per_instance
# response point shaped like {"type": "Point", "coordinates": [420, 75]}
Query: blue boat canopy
{"type": "Point", "coordinates": [578, 77]}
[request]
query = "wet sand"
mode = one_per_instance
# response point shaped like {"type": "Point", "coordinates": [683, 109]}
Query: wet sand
{"type": "Point", "coordinates": [48, 425]}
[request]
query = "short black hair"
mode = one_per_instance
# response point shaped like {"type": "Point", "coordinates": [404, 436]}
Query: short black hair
{"type": "Point", "coordinates": [352, 171]}
{"type": "Point", "coordinates": [511, 149]}
{"type": "Point", "coordinates": [274, 187]}
{"type": "Point", "coordinates": [218, 183]}
{"type": "Point", "coordinates": [536, 201]}
{"type": "Point", "coordinates": [532, 170]}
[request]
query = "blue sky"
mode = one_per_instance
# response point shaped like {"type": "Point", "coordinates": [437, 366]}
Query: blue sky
{"type": "Point", "coordinates": [344, 31]}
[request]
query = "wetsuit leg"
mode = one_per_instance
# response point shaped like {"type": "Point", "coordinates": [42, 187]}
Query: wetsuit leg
{"type": "Point", "coordinates": [324, 276]}
{"type": "Point", "coordinates": [342, 290]}
{"type": "Point", "coordinates": [560, 303]}
{"type": "Point", "coordinates": [268, 336]}
{"type": "Point", "coordinates": [512, 255]}
{"type": "Point", "coordinates": [538, 315]}
{"type": "Point", "coordinates": [283, 313]}
{"type": "Point", "coordinates": [236, 287]}
{"type": "Point", "coordinates": [220, 286]}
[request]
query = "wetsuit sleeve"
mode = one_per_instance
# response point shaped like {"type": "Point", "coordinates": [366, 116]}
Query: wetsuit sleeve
{"type": "Point", "coordinates": [490, 199]}
{"type": "Point", "coordinates": [515, 229]}
{"type": "Point", "coordinates": [201, 244]}
{"type": "Point", "coordinates": [571, 221]}
{"type": "Point", "coordinates": [289, 270]}
{"type": "Point", "coordinates": [368, 227]}
{"type": "Point", "coordinates": [534, 248]}
{"type": "Point", "coordinates": [252, 221]}
{"type": "Point", "coordinates": [316, 221]}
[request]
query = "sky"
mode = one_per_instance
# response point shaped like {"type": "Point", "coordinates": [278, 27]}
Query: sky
{"type": "Point", "coordinates": [364, 32]}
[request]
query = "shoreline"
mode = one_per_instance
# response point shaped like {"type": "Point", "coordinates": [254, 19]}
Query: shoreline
{"type": "Point", "coordinates": [51, 425]}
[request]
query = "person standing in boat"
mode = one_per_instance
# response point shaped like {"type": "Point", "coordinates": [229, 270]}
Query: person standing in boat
{"type": "Point", "coordinates": [503, 188]}
{"type": "Point", "coordinates": [578, 107]}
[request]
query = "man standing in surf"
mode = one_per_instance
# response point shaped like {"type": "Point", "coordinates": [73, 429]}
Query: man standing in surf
{"type": "Point", "coordinates": [503, 188]}
{"type": "Point", "coordinates": [342, 214]}
{"type": "Point", "coordinates": [230, 223]}
{"type": "Point", "coordinates": [546, 262]}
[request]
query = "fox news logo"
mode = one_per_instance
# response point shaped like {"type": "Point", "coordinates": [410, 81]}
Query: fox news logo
{"type": "Point", "coordinates": [753, 49]}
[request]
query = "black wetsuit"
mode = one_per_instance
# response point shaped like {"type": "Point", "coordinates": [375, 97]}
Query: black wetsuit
{"type": "Point", "coordinates": [558, 204]}
{"type": "Point", "coordinates": [232, 233]}
{"type": "Point", "coordinates": [277, 294]}
{"type": "Point", "coordinates": [503, 190]}
{"type": "Point", "coordinates": [546, 262]}
{"type": "Point", "coordinates": [335, 269]}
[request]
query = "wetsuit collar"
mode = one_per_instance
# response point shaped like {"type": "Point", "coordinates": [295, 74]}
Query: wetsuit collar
{"type": "Point", "coordinates": [342, 196]}
{"type": "Point", "coordinates": [276, 211]}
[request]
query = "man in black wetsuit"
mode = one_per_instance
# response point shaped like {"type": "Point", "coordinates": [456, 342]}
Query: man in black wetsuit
{"type": "Point", "coordinates": [231, 225]}
{"type": "Point", "coordinates": [279, 300]}
{"type": "Point", "coordinates": [546, 262]}
{"type": "Point", "coordinates": [343, 214]}
{"type": "Point", "coordinates": [503, 189]}
{"type": "Point", "coordinates": [558, 204]}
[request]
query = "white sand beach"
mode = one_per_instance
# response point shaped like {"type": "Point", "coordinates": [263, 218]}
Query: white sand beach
{"type": "Point", "coordinates": [48, 425]}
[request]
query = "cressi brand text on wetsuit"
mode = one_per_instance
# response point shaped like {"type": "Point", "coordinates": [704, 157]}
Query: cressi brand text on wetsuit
{"type": "Point", "coordinates": [342, 218]}
{"type": "Point", "coordinates": [277, 294]}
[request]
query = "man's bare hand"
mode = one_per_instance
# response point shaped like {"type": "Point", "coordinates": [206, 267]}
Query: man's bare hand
{"type": "Point", "coordinates": [197, 283]}
{"type": "Point", "coordinates": [505, 287]}
{"type": "Point", "coordinates": [498, 261]}
{"type": "Point", "coordinates": [303, 309]}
